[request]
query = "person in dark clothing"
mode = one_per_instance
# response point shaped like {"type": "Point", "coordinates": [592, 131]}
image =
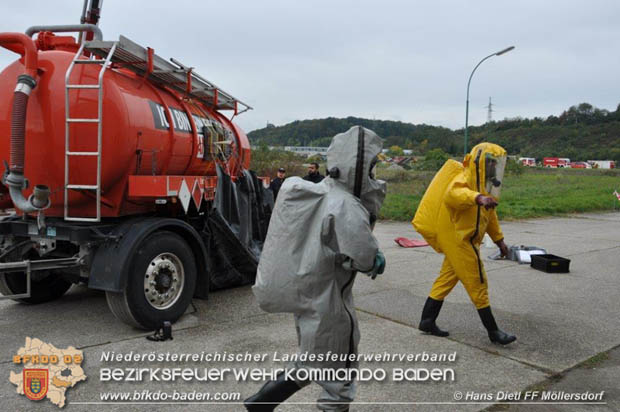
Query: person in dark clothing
{"type": "Point", "coordinates": [313, 173]}
{"type": "Point", "coordinates": [277, 182]}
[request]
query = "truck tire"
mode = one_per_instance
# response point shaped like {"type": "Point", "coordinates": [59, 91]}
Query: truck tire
{"type": "Point", "coordinates": [45, 286]}
{"type": "Point", "coordinates": [160, 283]}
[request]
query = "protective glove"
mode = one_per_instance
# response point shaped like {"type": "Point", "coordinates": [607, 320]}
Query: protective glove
{"type": "Point", "coordinates": [487, 201]}
{"type": "Point", "coordinates": [379, 266]}
{"type": "Point", "coordinates": [502, 248]}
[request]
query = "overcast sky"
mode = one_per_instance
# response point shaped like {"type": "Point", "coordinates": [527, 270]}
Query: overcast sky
{"type": "Point", "coordinates": [392, 60]}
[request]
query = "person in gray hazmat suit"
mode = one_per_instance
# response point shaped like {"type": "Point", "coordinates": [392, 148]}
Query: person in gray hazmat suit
{"type": "Point", "coordinates": [319, 236]}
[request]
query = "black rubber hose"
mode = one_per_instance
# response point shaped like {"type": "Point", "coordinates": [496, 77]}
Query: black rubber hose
{"type": "Point", "coordinates": [18, 123]}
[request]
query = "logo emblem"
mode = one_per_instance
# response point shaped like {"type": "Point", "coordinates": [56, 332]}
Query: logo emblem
{"type": "Point", "coordinates": [47, 372]}
{"type": "Point", "coordinates": [35, 383]}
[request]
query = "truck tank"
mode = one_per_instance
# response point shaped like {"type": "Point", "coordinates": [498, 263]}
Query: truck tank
{"type": "Point", "coordinates": [147, 129]}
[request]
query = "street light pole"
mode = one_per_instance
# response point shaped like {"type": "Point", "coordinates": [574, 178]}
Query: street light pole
{"type": "Point", "coordinates": [499, 53]}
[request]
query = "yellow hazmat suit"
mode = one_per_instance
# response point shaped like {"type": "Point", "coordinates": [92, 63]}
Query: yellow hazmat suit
{"type": "Point", "coordinates": [454, 224]}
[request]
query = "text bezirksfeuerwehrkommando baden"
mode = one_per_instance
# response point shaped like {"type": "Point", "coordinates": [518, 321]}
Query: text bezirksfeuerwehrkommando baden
{"type": "Point", "coordinates": [219, 374]}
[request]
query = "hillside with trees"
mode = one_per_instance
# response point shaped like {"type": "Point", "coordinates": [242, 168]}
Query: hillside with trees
{"type": "Point", "coordinates": [582, 132]}
{"type": "Point", "coordinates": [319, 132]}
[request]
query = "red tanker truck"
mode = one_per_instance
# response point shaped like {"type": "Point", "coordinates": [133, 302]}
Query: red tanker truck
{"type": "Point", "coordinates": [121, 173]}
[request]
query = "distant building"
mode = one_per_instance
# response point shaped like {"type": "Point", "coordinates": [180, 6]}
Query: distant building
{"type": "Point", "coordinates": [307, 150]}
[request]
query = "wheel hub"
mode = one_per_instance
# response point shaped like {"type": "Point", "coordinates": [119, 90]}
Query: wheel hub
{"type": "Point", "coordinates": [163, 281]}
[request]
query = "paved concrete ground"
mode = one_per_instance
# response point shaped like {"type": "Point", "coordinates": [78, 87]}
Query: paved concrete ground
{"type": "Point", "coordinates": [561, 320]}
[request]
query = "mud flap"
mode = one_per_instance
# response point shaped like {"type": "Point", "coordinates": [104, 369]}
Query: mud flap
{"type": "Point", "coordinates": [236, 229]}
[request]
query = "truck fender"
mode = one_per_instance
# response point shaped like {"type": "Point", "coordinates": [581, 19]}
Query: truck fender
{"type": "Point", "coordinates": [112, 259]}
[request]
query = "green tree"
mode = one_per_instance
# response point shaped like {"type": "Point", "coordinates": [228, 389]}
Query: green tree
{"type": "Point", "coordinates": [395, 151]}
{"type": "Point", "coordinates": [434, 159]}
{"type": "Point", "coordinates": [423, 146]}
{"type": "Point", "coordinates": [263, 147]}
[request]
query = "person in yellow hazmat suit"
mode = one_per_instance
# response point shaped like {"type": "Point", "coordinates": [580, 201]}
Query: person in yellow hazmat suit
{"type": "Point", "coordinates": [456, 211]}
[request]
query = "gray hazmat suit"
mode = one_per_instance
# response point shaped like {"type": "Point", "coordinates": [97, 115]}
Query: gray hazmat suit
{"type": "Point", "coordinates": [319, 236]}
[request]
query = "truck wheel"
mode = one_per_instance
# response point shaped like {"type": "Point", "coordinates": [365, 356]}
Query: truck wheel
{"type": "Point", "coordinates": [45, 286]}
{"type": "Point", "coordinates": [160, 283]}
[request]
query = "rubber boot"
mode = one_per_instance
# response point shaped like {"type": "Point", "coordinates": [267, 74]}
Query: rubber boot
{"type": "Point", "coordinates": [495, 334]}
{"type": "Point", "coordinates": [429, 315]}
{"type": "Point", "coordinates": [275, 392]}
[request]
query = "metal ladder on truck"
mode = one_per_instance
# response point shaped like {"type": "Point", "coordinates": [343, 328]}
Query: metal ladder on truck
{"type": "Point", "coordinates": [79, 60]}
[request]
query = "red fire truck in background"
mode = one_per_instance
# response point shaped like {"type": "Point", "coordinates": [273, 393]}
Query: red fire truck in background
{"type": "Point", "coordinates": [528, 161]}
{"type": "Point", "coordinates": [556, 162]}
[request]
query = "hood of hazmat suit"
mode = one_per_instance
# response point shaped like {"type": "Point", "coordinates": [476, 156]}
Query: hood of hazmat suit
{"type": "Point", "coordinates": [318, 236]}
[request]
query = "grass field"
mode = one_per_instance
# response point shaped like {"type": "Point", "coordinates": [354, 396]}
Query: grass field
{"type": "Point", "coordinates": [526, 192]}
{"type": "Point", "coordinates": [534, 193]}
